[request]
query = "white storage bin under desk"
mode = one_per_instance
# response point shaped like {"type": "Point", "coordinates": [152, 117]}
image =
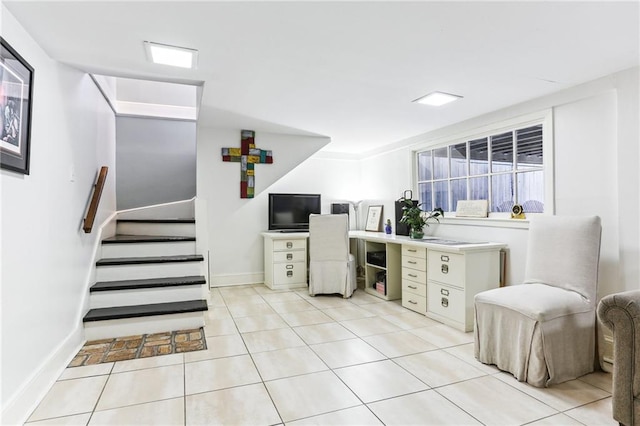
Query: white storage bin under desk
{"type": "Point", "coordinates": [453, 280]}
{"type": "Point", "coordinates": [414, 278]}
{"type": "Point", "coordinates": [289, 273]}
{"type": "Point", "coordinates": [447, 304]}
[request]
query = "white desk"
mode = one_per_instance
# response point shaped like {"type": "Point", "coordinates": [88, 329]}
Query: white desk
{"type": "Point", "coordinates": [433, 276]}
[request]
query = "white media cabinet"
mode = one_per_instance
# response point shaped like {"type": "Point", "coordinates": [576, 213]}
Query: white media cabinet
{"type": "Point", "coordinates": [433, 276]}
{"type": "Point", "coordinates": [285, 259]}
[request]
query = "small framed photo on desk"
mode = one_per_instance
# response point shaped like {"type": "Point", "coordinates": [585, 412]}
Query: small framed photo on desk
{"type": "Point", "coordinates": [374, 219]}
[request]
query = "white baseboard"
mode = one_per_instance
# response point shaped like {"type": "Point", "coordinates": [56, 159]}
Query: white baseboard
{"type": "Point", "coordinates": [20, 405]}
{"type": "Point", "coordinates": [236, 279]}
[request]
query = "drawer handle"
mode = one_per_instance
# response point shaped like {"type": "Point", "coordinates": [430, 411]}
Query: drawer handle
{"type": "Point", "coordinates": [411, 301]}
{"type": "Point", "coordinates": [289, 266]}
{"type": "Point", "coordinates": [444, 302]}
{"type": "Point", "coordinates": [444, 258]}
{"type": "Point", "coordinates": [289, 256]}
{"type": "Point", "coordinates": [413, 287]}
{"type": "Point", "coordinates": [289, 274]}
{"type": "Point", "coordinates": [413, 275]}
{"type": "Point", "coordinates": [411, 262]}
{"type": "Point", "coordinates": [445, 269]}
{"type": "Point", "coordinates": [444, 292]}
{"type": "Point", "coordinates": [412, 250]}
{"type": "Point", "coordinates": [289, 244]}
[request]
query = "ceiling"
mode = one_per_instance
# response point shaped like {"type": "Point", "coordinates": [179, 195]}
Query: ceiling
{"type": "Point", "coordinates": [347, 70]}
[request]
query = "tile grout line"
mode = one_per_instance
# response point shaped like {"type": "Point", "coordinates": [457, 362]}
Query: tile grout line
{"type": "Point", "coordinates": [262, 382]}
{"type": "Point", "coordinates": [332, 370]}
{"type": "Point", "coordinates": [184, 387]}
{"type": "Point", "coordinates": [95, 406]}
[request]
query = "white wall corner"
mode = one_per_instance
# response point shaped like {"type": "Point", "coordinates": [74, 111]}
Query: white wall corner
{"type": "Point", "coordinates": [202, 235]}
{"type": "Point", "coordinates": [107, 86]}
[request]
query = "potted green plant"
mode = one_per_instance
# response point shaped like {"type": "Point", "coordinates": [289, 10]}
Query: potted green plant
{"type": "Point", "coordinates": [416, 218]}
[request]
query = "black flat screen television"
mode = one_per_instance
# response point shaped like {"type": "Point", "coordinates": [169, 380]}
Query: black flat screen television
{"type": "Point", "coordinates": [290, 212]}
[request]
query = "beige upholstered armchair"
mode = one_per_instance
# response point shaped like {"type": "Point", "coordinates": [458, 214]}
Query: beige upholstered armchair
{"type": "Point", "coordinates": [621, 314]}
{"type": "Point", "coordinates": [543, 331]}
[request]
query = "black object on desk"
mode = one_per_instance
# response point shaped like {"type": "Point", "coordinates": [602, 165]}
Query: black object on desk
{"type": "Point", "coordinates": [378, 258]}
{"type": "Point", "coordinates": [402, 228]}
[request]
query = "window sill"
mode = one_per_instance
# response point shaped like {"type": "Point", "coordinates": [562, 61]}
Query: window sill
{"type": "Point", "coordinates": [492, 222]}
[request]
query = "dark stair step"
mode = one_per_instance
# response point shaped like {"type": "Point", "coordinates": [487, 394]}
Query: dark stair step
{"type": "Point", "coordinates": [112, 261]}
{"type": "Point", "coordinates": [132, 239]}
{"type": "Point", "coordinates": [147, 283]}
{"type": "Point", "coordinates": [156, 221]}
{"type": "Point", "coordinates": [119, 312]}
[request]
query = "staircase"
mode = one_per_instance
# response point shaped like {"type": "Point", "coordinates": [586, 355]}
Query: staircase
{"type": "Point", "coordinates": [148, 280]}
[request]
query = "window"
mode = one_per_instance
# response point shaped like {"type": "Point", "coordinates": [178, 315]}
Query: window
{"type": "Point", "coordinates": [505, 167]}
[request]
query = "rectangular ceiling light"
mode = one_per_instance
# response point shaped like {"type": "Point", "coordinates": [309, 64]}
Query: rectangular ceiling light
{"type": "Point", "coordinates": [437, 98]}
{"type": "Point", "coordinates": [171, 55]}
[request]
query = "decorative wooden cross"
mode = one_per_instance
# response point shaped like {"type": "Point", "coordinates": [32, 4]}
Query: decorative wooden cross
{"type": "Point", "coordinates": [247, 155]}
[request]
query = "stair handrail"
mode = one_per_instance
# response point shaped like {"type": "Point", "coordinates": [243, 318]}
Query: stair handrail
{"type": "Point", "coordinates": [95, 199]}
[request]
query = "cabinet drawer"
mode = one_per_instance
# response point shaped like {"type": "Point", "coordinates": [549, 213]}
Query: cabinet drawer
{"type": "Point", "coordinates": [446, 268]}
{"type": "Point", "coordinates": [413, 275]}
{"type": "Point", "coordinates": [414, 302]}
{"type": "Point", "coordinates": [414, 262]}
{"type": "Point", "coordinates": [294, 272]}
{"type": "Point", "coordinates": [414, 251]}
{"type": "Point", "coordinates": [446, 301]}
{"type": "Point", "coordinates": [290, 256]}
{"type": "Point", "coordinates": [279, 245]}
{"type": "Point", "coordinates": [415, 288]}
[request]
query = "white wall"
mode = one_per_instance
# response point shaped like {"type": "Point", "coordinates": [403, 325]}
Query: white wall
{"type": "Point", "coordinates": [46, 257]}
{"type": "Point", "coordinates": [234, 224]}
{"type": "Point", "coordinates": [596, 156]}
{"type": "Point", "coordinates": [585, 173]}
{"type": "Point", "coordinates": [628, 182]}
{"type": "Point", "coordinates": [156, 161]}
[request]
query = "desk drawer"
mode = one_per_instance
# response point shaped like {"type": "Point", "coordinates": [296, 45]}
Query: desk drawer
{"type": "Point", "coordinates": [414, 251]}
{"type": "Point", "coordinates": [293, 272]}
{"type": "Point", "coordinates": [290, 256]}
{"type": "Point", "coordinates": [293, 244]}
{"type": "Point", "coordinates": [446, 301]}
{"type": "Point", "coordinates": [414, 302]}
{"type": "Point", "coordinates": [414, 263]}
{"type": "Point", "coordinates": [415, 288]}
{"type": "Point", "coordinates": [446, 268]}
{"type": "Point", "coordinates": [413, 275]}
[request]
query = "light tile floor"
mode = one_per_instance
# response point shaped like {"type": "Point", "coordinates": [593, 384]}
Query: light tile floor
{"type": "Point", "coordinates": [287, 358]}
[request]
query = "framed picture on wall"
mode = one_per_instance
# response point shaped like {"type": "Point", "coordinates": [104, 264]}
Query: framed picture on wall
{"type": "Point", "coordinates": [374, 219]}
{"type": "Point", "coordinates": [16, 98]}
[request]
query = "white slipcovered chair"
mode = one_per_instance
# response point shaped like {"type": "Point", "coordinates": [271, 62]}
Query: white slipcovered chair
{"type": "Point", "coordinates": [544, 330]}
{"type": "Point", "coordinates": [331, 266]}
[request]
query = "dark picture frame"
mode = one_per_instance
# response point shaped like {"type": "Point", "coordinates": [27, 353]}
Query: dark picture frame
{"type": "Point", "coordinates": [16, 100]}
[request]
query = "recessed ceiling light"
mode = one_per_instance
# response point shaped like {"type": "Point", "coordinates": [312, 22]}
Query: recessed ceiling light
{"type": "Point", "coordinates": [171, 55]}
{"type": "Point", "coordinates": [437, 98]}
